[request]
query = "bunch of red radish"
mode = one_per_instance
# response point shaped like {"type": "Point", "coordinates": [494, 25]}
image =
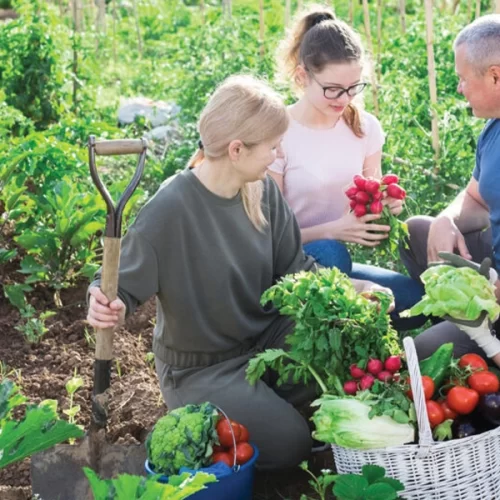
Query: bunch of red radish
{"type": "Point", "coordinates": [367, 193]}
{"type": "Point", "coordinates": [363, 380]}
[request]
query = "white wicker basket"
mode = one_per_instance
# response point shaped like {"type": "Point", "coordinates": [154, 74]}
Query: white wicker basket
{"type": "Point", "coordinates": [460, 469]}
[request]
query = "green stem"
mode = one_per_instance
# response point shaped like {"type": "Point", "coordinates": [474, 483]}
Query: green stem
{"type": "Point", "coordinates": [317, 378]}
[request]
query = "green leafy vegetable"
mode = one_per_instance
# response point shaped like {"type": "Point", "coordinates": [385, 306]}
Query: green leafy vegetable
{"type": "Point", "coordinates": [345, 421]}
{"type": "Point", "coordinates": [334, 328]}
{"type": "Point", "coordinates": [461, 293]}
{"type": "Point", "coordinates": [128, 487]}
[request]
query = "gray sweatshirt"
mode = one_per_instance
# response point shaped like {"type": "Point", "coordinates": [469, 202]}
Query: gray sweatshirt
{"type": "Point", "coordinates": [207, 265]}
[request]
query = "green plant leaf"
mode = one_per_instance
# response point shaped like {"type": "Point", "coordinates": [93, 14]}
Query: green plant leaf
{"type": "Point", "coordinates": [380, 491]}
{"type": "Point", "coordinates": [39, 430]}
{"type": "Point", "coordinates": [350, 487]}
{"type": "Point", "coordinates": [372, 473]}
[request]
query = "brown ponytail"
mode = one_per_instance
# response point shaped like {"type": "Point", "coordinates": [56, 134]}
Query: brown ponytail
{"type": "Point", "coordinates": [316, 39]}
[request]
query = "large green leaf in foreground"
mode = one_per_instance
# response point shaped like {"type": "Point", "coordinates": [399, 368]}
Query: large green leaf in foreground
{"type": "Point", "coordinates": [127, 487]}
{"type": "Point", "coordinates": [40, 429]}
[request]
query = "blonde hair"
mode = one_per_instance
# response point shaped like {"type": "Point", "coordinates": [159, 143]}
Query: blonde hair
{"type": "Point", "coordinates": [246, 109]}
{"type": "Point", "coordinates": [318, 38]}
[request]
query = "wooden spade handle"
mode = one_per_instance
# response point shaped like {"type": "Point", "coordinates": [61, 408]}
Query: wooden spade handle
{"type": "Point", "coordinates": [109, 286]}
{"type": "Point", "coordinates": [120, 147]}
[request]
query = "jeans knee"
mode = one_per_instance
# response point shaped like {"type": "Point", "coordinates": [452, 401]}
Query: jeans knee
{"type": "Point", "coordinates": [330, 253]}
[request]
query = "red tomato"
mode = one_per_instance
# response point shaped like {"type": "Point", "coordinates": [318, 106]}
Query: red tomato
{"type": "Point", "coordinates": [218, 449]}
{"type": "Point", "coordinates": [244, 452]}
{"type": "Point", "coordinates": [435, 413]}
{"type": "Point", "coordinates": [449, 414]}
{"type": "Point", "coordinates": [360, 181]}
{"type": "Point", "coordinates": [359, 210]}
{"type": "Point", "coordinates": [372, 186]}
{"type": "Point", "coordinates": [484, 382]}
{"type": "Point", "coordinates": [462, 400]}
{"type": "Point", "coordinates": [244, 435]}
{"type": "Point", "coordinates": [428, 386]}
{"type": "Point", "coordinates": [390, 179]}
{"type": "Point", "coordinates": [475, 361]}
{"type": "Point", "coordinates": [224, 432]}
{"type": "Point", "coordinates": [223, 456]}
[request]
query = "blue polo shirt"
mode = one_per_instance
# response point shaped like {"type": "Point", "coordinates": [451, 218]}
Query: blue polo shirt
{"type": "Point", "coordinates": [487, 174]}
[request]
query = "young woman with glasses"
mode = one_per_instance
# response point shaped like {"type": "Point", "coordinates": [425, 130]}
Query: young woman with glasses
{"type": "Point", "coordinates": [329, 140]}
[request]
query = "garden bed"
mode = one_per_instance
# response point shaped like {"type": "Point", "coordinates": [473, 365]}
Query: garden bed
{"type": "Point", "coordinates": [42, 371]}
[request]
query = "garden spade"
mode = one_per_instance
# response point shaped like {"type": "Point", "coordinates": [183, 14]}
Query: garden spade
{"type": "Point", "coordinates": [57, 474]}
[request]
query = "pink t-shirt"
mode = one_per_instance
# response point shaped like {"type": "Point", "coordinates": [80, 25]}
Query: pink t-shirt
{"type": "Point", "coordinates": [318, 165]}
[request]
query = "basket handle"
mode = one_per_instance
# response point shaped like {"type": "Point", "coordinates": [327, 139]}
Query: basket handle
{"type": "Point", "coordinates": [235, 467]}
{"type": "Point", "coordinates": [425, 439]}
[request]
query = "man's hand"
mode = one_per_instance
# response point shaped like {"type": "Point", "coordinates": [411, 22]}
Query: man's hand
{"type": "Point", "coordinates": [368, 288]}
{"type": "Point", "coordinates": [445, 236]}
{"type": "Point", "coordinates": [102, 313]}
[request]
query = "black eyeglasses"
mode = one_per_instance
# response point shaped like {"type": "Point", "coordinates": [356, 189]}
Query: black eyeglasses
{"type": "Point", "coordinates": [338, 91]}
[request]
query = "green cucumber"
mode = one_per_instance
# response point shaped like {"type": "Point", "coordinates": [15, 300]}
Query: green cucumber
{"type": "Point", "coordinates": [437, 365]}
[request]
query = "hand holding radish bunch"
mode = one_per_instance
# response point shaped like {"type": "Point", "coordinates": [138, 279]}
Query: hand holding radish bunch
{"type": "Point", "coordinates": [385, 198]}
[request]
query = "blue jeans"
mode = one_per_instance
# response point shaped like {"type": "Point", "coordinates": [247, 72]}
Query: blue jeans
{"type": "Point", "coordinates": [407, 291]}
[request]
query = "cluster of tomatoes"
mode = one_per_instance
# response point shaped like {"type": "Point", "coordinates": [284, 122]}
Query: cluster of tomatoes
{"type": "Point", "coordinates": [460, 395]}
{"type": "Point", "coordinates": [367, 193]}
{"type": "Point", "coordinates": [226, 451]}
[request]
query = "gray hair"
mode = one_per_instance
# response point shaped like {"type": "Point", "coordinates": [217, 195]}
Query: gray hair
{"type": "Point", "coordinates": [482, 41]}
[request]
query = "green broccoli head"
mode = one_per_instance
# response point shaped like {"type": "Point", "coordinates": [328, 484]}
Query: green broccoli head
{"type": "Point", "coordinates": [183, 438]}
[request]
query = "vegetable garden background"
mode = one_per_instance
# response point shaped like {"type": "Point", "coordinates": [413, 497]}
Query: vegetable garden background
{"type": "Point", "coordinates": [65, 67]}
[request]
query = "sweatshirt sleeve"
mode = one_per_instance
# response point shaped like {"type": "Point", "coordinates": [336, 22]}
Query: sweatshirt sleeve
{"type": "Point", "coordinates": [138, 275]}
{"type": "Point", "coordinates": [288, 255]}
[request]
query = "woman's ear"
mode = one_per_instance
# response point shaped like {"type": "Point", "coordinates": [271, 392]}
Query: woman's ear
{"type": "Point", "coordinates": [234, 150]}
{"type": "Point", "coordinates": [300, 76]}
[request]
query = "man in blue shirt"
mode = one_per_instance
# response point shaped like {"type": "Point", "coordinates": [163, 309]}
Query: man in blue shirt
{"type": "Point", "coordinates": [470, 225]}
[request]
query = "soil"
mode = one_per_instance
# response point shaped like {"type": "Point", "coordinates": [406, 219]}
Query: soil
{"type": "Point", "coordinates": [43, 369]}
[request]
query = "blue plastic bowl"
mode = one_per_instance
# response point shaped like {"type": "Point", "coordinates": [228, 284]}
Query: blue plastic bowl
{"type": "Point", "coordinates": [230, 485]}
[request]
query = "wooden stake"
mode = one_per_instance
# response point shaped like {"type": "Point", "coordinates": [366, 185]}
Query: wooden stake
{"type": "Point", "coordinates": [114, 32]}
{"type": "Point", "coordinates": [497, 9]}
{"type": "Point", "coordinates": [402, 15]}
{"type": "Point", "coordinates": [366, 16]}
{"type": "Point", "coordinates": [478, 8]}
{"type": "Point", "coordinates": [261, 26]}
{"type": "Point", "coordinates": [351, 12]}
{"type": "Point", "coordinates": [469, 10]}
{"type": "Point", "coordinates": [202, 9]}
{"type": "Point", "coordinates": [431, 68]}
{"type": "Point", "coordinates": [227, 8]}
{"type": "Point", "coordinates": [288, 12]}
{"type": "Point", "coordinates": [379, 36]}
{"type": "Point", "coordinates": [299, 5]}
{"type": "Point", "coordinates": [101, 17]}
{"type": "Point", "coordinates": [77, 15]}
{"type": "Point", "coordinates": [137, 27]}
{"type": "Point", "coordinates": [75, 4]}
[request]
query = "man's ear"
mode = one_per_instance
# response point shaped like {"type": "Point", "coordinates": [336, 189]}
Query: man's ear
{"type": "Point", "coordinates": [494, 72]}
{"type": "Point", "coordinates": [300, 76]}
{"type": "Point", "coordinates": [234, 150]}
